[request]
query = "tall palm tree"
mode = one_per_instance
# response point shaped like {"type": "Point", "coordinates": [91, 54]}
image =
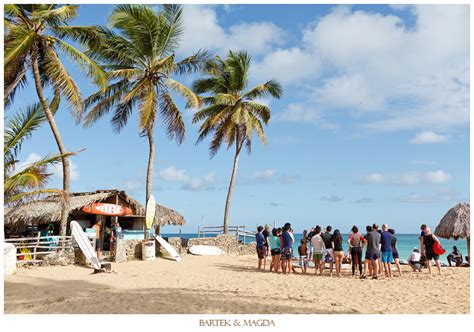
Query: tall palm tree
{"type": "Point", "coordinates": [232, 114]}
{"type": "Point", "coordinates": [30, 181]}
{"type": "Point", "coordinates": [139, 55]}
{"type": "Point", "coordinates": [35, 35]}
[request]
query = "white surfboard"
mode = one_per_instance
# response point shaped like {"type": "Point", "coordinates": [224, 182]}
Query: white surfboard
{"type": "Point", "coordinates": [168, 248]}
{"type": "Point", "coordinates": [84, 244]}
{"type": "Point", "coordinates": [150, 212]}
{"type": "Point", "coordinates": [202, 250]}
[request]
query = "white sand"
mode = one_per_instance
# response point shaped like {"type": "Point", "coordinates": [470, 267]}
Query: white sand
{"type": "Point", "coordinates": [228, 284]}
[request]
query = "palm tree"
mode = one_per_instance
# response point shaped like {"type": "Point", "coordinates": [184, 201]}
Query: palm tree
{"type": "Point", "coordinates": [139, 57]}
{"type": "Point", "coordinates": [232, 114]}
{"type": "Point", "coordinates": [34, 35]}
{"type": "Point", "coordinates": [28, 182]}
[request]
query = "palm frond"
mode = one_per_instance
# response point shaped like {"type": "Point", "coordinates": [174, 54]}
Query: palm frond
{"type": "Point", "coordinates": [20, 127]}
{"type": "Point", "coordinates": [192, 99]}
{"type": "Point", "coordinates": [89, 66]}
{"type": "Point", "coordinates": [194, 63]}
{"type": "Point", "coordinates": [270, 88]}
{"type": "Point", "coordinates": [62, 81]}
{"type": "Point", "coordinates": [171, 29]}
{"type": "Point", "coordinates": [148, 102]}
{"type": "Point", "coordinates": [172, 118]}
{"type": "Point", "coordinates": [18, 43]}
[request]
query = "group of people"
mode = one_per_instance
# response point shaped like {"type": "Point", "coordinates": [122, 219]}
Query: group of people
{"type": "Point", "coordinates": [326, 247]}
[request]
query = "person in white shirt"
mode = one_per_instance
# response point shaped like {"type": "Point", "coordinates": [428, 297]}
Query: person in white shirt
{"type": "Point", "coordinates": [318, 246]}
{"type": "Point", "coordinates": [415, 260]}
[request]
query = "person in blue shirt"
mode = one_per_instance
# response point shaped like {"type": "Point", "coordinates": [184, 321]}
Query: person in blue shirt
{"type": "Point", "coordinates": [287, 250]}
{"type": "Point", "coordinates": [386, 249]}
{"type": "Point", "coordinates": [260, 239]}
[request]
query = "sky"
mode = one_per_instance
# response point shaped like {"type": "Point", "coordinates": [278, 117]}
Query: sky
{"type": "Point", "coordinates": [373, 125]}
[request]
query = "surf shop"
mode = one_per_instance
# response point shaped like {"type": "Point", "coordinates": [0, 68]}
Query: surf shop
{"type": "Point", "coordinates": [87, 208]}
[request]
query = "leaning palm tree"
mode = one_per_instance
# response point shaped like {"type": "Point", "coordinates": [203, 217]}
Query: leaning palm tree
{"type": "Point", "coordinates": [35, 35]}
{"type": "Point", "coordinates": [29, 181]}
{"type": "Point", "coordinates": [233, 114]}
{"type": "Point", "coordinates": [138, 53]}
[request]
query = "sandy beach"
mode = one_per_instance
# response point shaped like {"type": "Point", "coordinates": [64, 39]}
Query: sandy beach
{"type": "Point", "coordinates": [228, 284]}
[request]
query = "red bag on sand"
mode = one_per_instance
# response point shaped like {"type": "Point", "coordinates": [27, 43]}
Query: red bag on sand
{"type": "Point", "coordinates": [438, 249]}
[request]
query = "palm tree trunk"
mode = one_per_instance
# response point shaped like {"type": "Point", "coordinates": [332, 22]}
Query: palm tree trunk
{"type": "Point", "coordinates": [59, 142]}
{"type": "Point", "coordinates": [231, 186]}
{"type": "Point", "coordinates": [149, 172]}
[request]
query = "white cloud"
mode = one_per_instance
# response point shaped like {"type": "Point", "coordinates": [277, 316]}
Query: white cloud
{"type": "Point", "coordinates": [201, 183]}
{"type": "Point", "coordinates": [265, 174]}
{"type": "Point", "coordinates": [387, 75]}
{"type": "Point", "coordinates": [57, 170]}
{"type": "Point", "coordinates": [173, 174]}
{"type": "Point", "coordinates": [31, 158]}
{"type": "Point", "coordinates": [203, 31]}
{"type": "Point", "coordinates": [288, 66]}
{"type": "Point", "coordinates": [332, 198]}
{"type": "Point", "coordinates": [364, 200]}
{"type": "Point", "coordinates": [194, 183]}
{"type": "Point", "coordinates": [444, 195]}
{"type": "Point", "coordinates": [406, 178]}
{"type": "Point", "coordinates": [438, 176]}
{"type": "Point", "coordinates": [372, 178]}
{"type": "Point", "coordinates": [427, 137]}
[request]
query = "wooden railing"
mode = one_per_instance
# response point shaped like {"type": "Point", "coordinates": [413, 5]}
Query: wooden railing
{"type": "Point", "coordinates": [239, 231]}
{"type": "Point", "coordinates": [31, 249]}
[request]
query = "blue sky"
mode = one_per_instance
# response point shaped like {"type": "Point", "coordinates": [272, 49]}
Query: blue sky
{"type": "Point", "coordinates": [373, 125]}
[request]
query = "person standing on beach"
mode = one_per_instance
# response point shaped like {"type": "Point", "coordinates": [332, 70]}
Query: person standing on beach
{"type": "Point", "coordinates": [328, 251]}
{"type": "Point", "coordinates": [260, 239]}
{"type": "Point", "coordinates": [310, 247]}
{"type": "Point", "coordinates": [395, 251]}
{"type": "Point", "coordinates": [318, 246]}
{"type": "Point", "coordinates": [338, 251]}
{"type": "Point", "coordinates": [287, 251]}
{"type": "Point", "coordinates": [356, 247]}
{"type": "Point", "coordinates": [98, 243]}
{"type": "Point", "coordinates": [375, 227]}
{"type": "Point", "coordinates": [428, 240]}
{"type": "Point", "coordinates": [266, 250]}
{"type": "Point", "coordinates": [373, 250]}
{"type": "Point", "coordinates": [386, 246]}
{"type": "Point", "coordinates": [274, 243]}
{"type": "Point", "coordinates": [302, 252]}
{"type": "Point", "coordinates": [422, 247]}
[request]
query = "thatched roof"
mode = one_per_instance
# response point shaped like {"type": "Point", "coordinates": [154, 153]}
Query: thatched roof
{"type": "Point", "coordinates": [455, 223]}
{"type": "Point", "coordinates": [49, 209]}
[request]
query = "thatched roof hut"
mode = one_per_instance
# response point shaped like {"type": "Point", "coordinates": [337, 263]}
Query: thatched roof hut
{"type": "Point", "coordinates": [456, 223]}
{"type": "Point", "coordinates": [49, 209]}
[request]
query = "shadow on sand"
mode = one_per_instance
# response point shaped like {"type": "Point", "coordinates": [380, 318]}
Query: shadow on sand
{"type": "Point", "coordinates": [45, 296]}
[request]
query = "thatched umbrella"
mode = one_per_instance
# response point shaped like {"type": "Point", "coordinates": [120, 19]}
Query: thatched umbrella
{"type": "Point", "coordinates": [456, 224]}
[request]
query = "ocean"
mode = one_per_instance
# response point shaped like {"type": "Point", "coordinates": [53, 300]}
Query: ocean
{"type": "Point", "coordinates": [405, 244]}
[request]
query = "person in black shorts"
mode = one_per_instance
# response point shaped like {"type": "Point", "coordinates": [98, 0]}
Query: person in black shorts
{"type": "Point", "coordinates": [372, 254]}
{"type": "Point", "coordinates": [395, 255]}
{"type": "Point", "coordinates": [428, 240]}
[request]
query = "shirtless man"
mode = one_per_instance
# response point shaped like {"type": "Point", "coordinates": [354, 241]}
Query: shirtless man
{"type": "Point", "coordinates": [98, 247]}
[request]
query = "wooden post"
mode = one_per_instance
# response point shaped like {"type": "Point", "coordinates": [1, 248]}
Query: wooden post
{"type": "Point", "coordinates": [469, 248]}
{"type": "Point", "coordinates": [198, 232]}
{"type": "Point", "coordinates": [37, 244]}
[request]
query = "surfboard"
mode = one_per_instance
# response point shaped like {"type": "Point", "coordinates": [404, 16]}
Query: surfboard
{"type": "Point", "coordinates": [168, 248]}
{"type": "Point", "coordinates": [107, 209]}
{"type": "Point", "coordinates": [201, 250]}
{"type": "Point", "coordinates": [84, 244]}
{"type": "Point", "coordinates": [150, 212]}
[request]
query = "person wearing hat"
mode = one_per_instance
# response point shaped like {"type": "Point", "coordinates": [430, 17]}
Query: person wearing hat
{"type": "Point", "coordinates": [415, 260]}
